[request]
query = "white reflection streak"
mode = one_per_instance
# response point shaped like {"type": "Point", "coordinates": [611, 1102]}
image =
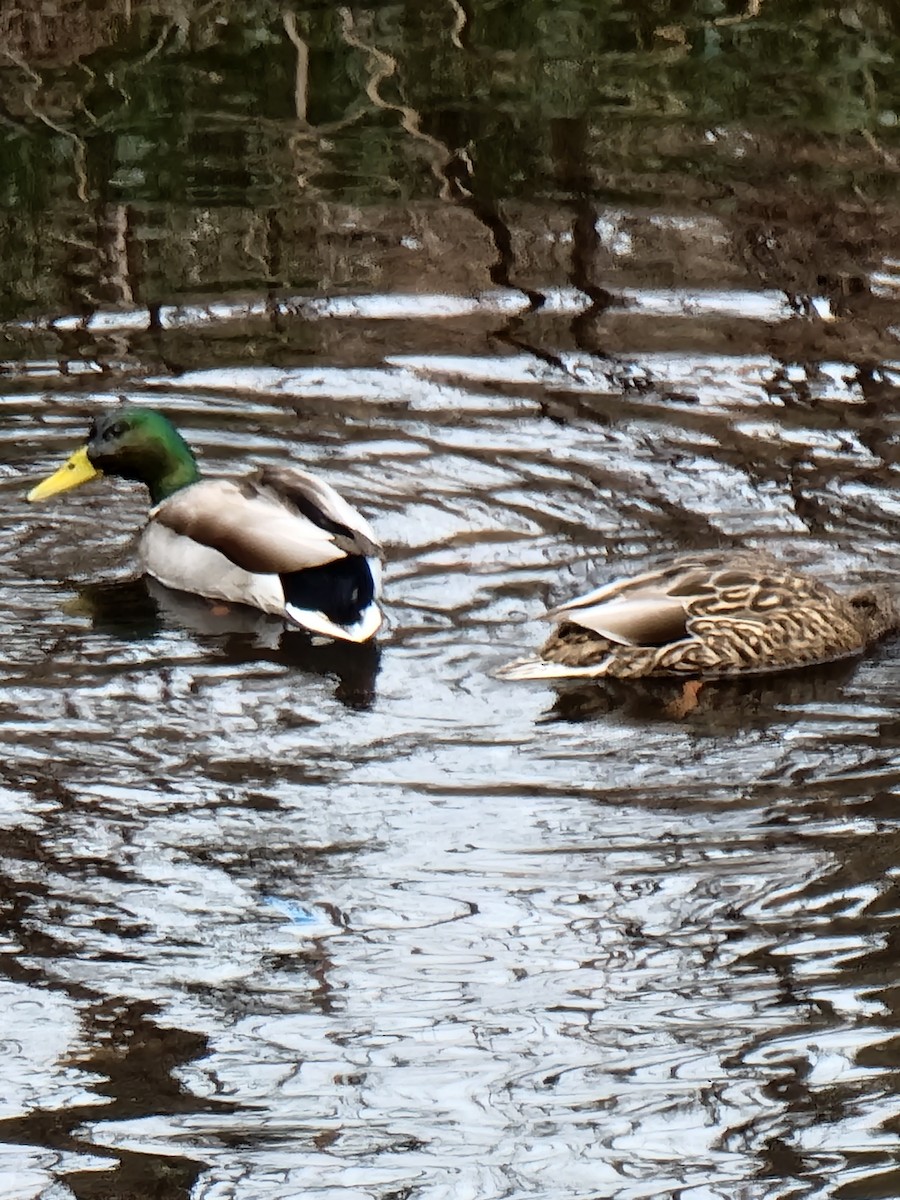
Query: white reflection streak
{"type": "Point", "coordinates": [770, 306]}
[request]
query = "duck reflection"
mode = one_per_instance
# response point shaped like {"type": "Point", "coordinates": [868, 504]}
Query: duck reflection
{"type": "Point", "coordinates": [711, 706]}
{"type": "Point", "coordinates": [139, 609]}
{"type": "Point", "coordinates": [123, 609]}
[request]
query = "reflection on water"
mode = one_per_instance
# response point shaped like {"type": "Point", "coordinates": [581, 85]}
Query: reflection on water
{"type": "Point", "coordinates": [575, 941]}
{"type": "Point", "coordinates": [549, 292]}
{"type": "Point", "coordinates": [140, 608]}
{"type": "Point", "coordinates": [717, 707]}
{"type": "Point", "coordinates": [126, 609]}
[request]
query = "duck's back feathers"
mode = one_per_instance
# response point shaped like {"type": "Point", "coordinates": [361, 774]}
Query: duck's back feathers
{"type": "Point", "coordinates": [641, 620]}
{"type": "Point", "coordinates": [265, 528]}
{"type": "Point", "coordinates": [708, 615]}
{"type": "Point", "coordinates": [321, 504]}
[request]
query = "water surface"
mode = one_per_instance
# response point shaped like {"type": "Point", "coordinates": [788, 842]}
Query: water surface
{"type": "Point", "coordinates": [287, 919]}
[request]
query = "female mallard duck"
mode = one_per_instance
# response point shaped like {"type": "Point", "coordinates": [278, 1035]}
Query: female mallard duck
{"type": "Point", "coordinates": [708, 615]}
{"type": "Point", "coordinates": [283, 541]}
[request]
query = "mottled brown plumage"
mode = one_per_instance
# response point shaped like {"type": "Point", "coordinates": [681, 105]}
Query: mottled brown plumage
{"type": "Point", "coordinates": [708, 615]}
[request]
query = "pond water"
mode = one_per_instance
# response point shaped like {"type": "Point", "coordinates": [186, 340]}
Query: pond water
{"type": "Point", "coordinates": [549, 291]}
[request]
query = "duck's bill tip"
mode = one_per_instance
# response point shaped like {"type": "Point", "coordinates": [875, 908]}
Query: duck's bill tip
{"type": "Point", "coordinates": [72, 474]}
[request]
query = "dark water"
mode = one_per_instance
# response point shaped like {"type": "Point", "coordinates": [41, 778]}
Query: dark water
{"type": "Point", "coordinates": [549, 291]}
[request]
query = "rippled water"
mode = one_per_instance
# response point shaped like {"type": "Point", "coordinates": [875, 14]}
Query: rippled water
{"type": "Point", "coordinates": [291, 920]}
{"type": "Point", "coordinates": [549, 290]}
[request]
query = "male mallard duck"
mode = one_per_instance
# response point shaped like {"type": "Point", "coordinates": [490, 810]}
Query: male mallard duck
{"type": "Point", "coordinates": [708, 615]}
{"type": "Point", "coordinates": [283, 541]}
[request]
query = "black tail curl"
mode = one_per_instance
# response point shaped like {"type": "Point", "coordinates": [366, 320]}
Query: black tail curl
{"type": "Point", "coordinates": [342, 590]}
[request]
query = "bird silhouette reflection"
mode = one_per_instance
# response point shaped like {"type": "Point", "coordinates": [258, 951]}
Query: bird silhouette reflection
{"type": "Point", "coordinates": [140, 609]}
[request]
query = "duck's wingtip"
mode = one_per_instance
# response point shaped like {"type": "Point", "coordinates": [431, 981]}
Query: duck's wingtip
{"type": "Point", "coordinates": [539, 668]}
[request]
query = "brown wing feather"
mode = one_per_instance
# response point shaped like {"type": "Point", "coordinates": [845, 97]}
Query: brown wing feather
{"type": "Point", "coordinates": [661, 606]}
{"type": "Point", "coordinates": [250, 526]}
{"type": "Point", "coordinates": [321, 504]}
{"type": "Point", "coordinates": [643, 621]}
{"type": "Point", "coordinates": [686, 576]}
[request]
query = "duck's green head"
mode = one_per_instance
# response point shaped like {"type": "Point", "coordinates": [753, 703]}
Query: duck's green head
{"type": "Point", "coordinates": [133, 443]}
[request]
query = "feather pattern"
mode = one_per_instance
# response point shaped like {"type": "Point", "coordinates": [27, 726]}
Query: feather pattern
{"type": "Point", "coordinates": [256, 540]}
{"type": "Point", "coordinates": [708, 615]}
{"type": "Point", "coordinates": [255, 526]}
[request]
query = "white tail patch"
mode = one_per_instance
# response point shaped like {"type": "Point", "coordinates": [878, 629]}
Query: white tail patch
{"type": "Point", "coordinates": [537, 668]}
{"type": "Point", "coordinates": [316, 622]}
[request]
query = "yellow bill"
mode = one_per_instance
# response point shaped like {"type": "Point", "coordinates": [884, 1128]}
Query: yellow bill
{"type": "Point", "coordinates": [71, 474]}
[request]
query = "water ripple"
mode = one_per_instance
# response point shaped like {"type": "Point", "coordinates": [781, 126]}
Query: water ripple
{"type": "Point", "coordinates": [382, 922]}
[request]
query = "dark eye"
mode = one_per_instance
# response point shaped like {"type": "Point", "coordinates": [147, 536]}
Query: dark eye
{"type": "Point", "coordinates": [116, 429]}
